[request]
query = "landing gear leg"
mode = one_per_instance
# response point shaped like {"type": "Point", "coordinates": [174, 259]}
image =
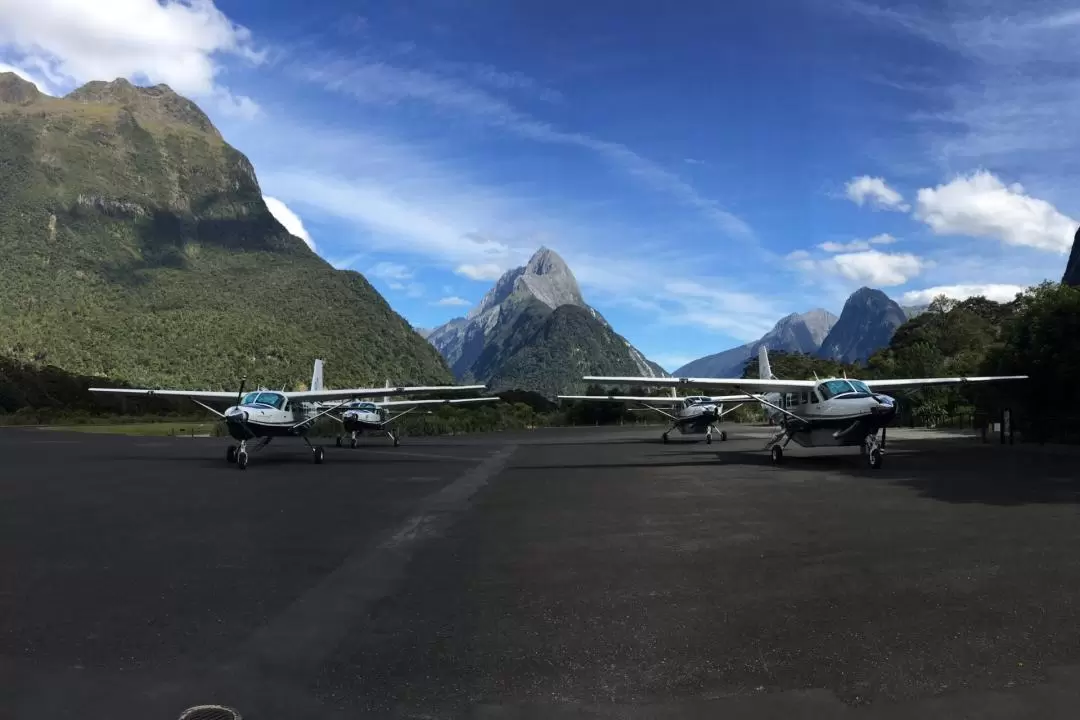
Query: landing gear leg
{"type": "Point", "coordinates": [316, 450]}
{"type": "Point", "coordinates": [874, 450]}
{"type": "Point", "coordinates": [390, 434]}
{"type": "Point", "coordinates": [242, 455]}
{"type": "Point", "coordinates": [708, 435]}
{"type": "Point", "coordinates": [352, 440]}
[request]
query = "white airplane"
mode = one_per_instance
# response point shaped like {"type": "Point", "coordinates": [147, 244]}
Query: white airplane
{"type": "Point", "coordinates": [835, 412]}
{"type": "Point", "coordinates": [693, 415]}
{"type": "Point", "coordinates": [265, 414]}
{"type": "Point", "coordinates": [364, 416]}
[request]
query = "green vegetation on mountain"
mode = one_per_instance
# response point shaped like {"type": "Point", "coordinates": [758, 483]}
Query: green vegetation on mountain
{"type": "Point", "coordinates": [137, 247]}
{"type": "Point", "coordinates": [550, 352]}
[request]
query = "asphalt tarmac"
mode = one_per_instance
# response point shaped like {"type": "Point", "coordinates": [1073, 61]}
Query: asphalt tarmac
{"type": "Point", "coordinates": [579, 573]}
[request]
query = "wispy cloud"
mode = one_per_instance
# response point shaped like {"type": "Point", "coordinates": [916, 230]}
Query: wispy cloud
{"type": "Point", "coordinates": [382, 83]}
{"type": "Point", "coordinates": [836, 247]}
{"type": "Point", "coordinates": [452, 301]}
{"type": "Point", "coordinates": [485, 271]}
{"type": "Point", "coordinates": [1014, 97]}
{"type": "Point", "coordinates": [391, 271]}
{"type": "Point", "coordinates": [875, 192]}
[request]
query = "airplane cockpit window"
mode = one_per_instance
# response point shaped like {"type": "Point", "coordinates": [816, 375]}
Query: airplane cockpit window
{"type": "Point", "coordinates": [860, 386]}
{"type": "Point", "coordinates": [831, 388]}
{"type": "Point", "coordinates": [249, 399]}
{"type": "Point", "coordinates": [275, 400]}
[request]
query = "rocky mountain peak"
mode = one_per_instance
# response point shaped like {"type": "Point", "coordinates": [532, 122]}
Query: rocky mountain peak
{"type": "Point", "coordinates": [16, 91]}
{"type": "Point", "coordinates": [548, 278]}
{"type": "Point", "coordinates": [1072, 269]}
{"type": "Point", "coordinates": [156, 104]}
{"type": "Point", "coordinates": [867, 323]}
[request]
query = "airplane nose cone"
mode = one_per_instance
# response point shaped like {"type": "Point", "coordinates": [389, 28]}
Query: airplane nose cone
{"type": "Point", "coordinates": [885, 409]}
{"type": "Point", "coordinates": [235, 414]}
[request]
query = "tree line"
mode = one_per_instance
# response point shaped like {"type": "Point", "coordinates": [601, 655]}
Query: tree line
{"type": "Point", "coordinates": [1037, 334]}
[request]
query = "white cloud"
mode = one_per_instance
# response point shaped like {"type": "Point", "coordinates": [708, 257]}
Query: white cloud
{"type": "Point", "coordinates": [868, 267]}
{"type": "Point", "coordinates": [485, 271]}
{"type": "Point", "coordinates": [42, 85]}
{"type": "Point", "coordinates": [172, 42]}
{"type": "Point", "coordinates": [452, 301]}
{"type": "Point", "coordinates": [865, 189]}
{"type": "Point", "coordinates": [835, 247]}
{"type": "Point", "coordinates": [992, 291]}
{"type": "Point", "coordinates": [290, 220]}
{"type": "Point", "coordinates": [980, 205]}
{"type": "Point", "coordinates": [391, 271]}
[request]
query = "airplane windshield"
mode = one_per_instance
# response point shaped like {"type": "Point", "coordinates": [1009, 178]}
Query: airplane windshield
{"type": "Point", "coordinates": [860, 386]}
{"type": "Point", "coordinates": [831, 388]}
{"type": "Point", "coordinates": [275, 400]}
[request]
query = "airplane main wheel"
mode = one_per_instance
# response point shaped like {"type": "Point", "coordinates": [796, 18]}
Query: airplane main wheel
{"type": "Point", "coordinates": [241, 459]}
{"type": "Point", "coordinates": [777, 454]}
{"type": "Point", "coordinates": [723, 435]}
{"type": "Point", "coordinates": [230, 454]}
{"type": "Point", "coordinates": [338, 441]}
{"type": "Point", "coordinates": [396, 441]}
{"type": "Point", "coordinates": [875, 458]}
{"type": "Point", "coordinates": [317, 454]}
{"type": "Point", "coordinates": [664, 437]}
{"type": "Point", "coordinates": [352, 443]}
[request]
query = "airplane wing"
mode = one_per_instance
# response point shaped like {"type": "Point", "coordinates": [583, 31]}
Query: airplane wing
{"type": "Point", "coordinates": [319, 395]}
{"type": "Point", "coordinates": [658, 399]}
{"type": "Point", "coordinates": [192, 394]}
{"type": "Point", "coordinates": [447, 401]}
{"type": "Point", "coordinates": [750, 385]}
{"type": "Point", "coordinates": [914, 383]}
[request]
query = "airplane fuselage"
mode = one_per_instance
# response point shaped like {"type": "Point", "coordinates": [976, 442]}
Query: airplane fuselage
{"type": "Point", "coordinates": [268, 414]}
{"type": "Point", "coordinates": [846, 419]}
{"type": "Point", "coordinates": [697, 418]}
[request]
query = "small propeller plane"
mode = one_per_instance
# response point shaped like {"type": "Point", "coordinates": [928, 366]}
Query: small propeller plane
{"type": "Point", "coordinates": [692, 415]}
{"type": "Point", "coordinates": [835, 412]}
{"type": "Point", "coordinates": [265, 414]}
{"type": "Point", "coordinates": [365, 416]}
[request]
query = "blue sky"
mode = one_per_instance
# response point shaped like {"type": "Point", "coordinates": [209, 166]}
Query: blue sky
{"type": "Point", "coordinates": [704, 167]}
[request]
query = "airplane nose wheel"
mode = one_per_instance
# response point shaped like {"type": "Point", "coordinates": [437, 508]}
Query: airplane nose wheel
{"type": "Point", "coordinates": [777, 455]}
{"type": "Point", "coordinates": [352, 443]}
{"type": "Point", "coordinates": [708, 439]}
{"type": "Point", "coordinates": [242, 459]}
{"type": "Point", "coordinates": [875, 458]}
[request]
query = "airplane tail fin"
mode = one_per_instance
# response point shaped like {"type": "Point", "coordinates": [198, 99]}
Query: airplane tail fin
{"type": "Point", "coordinates": [316, 377]}
{"type": "Point", "coordinates": [764, 369]}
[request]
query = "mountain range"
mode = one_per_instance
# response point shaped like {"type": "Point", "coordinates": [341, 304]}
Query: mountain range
{"type": "Point", "coordinates": [865, 325]}
{"type": "Point", "coordinates": [137, 246]}
{"type": "Point", "coordinates": [533, 329]}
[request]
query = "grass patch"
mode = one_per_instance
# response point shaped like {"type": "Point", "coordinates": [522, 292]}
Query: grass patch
{"type": "Point", "coordinates": [157, 429]}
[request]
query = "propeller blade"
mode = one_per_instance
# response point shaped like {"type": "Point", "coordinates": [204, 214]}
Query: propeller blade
{"type": "Point", "coordinates": [240, 392]}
